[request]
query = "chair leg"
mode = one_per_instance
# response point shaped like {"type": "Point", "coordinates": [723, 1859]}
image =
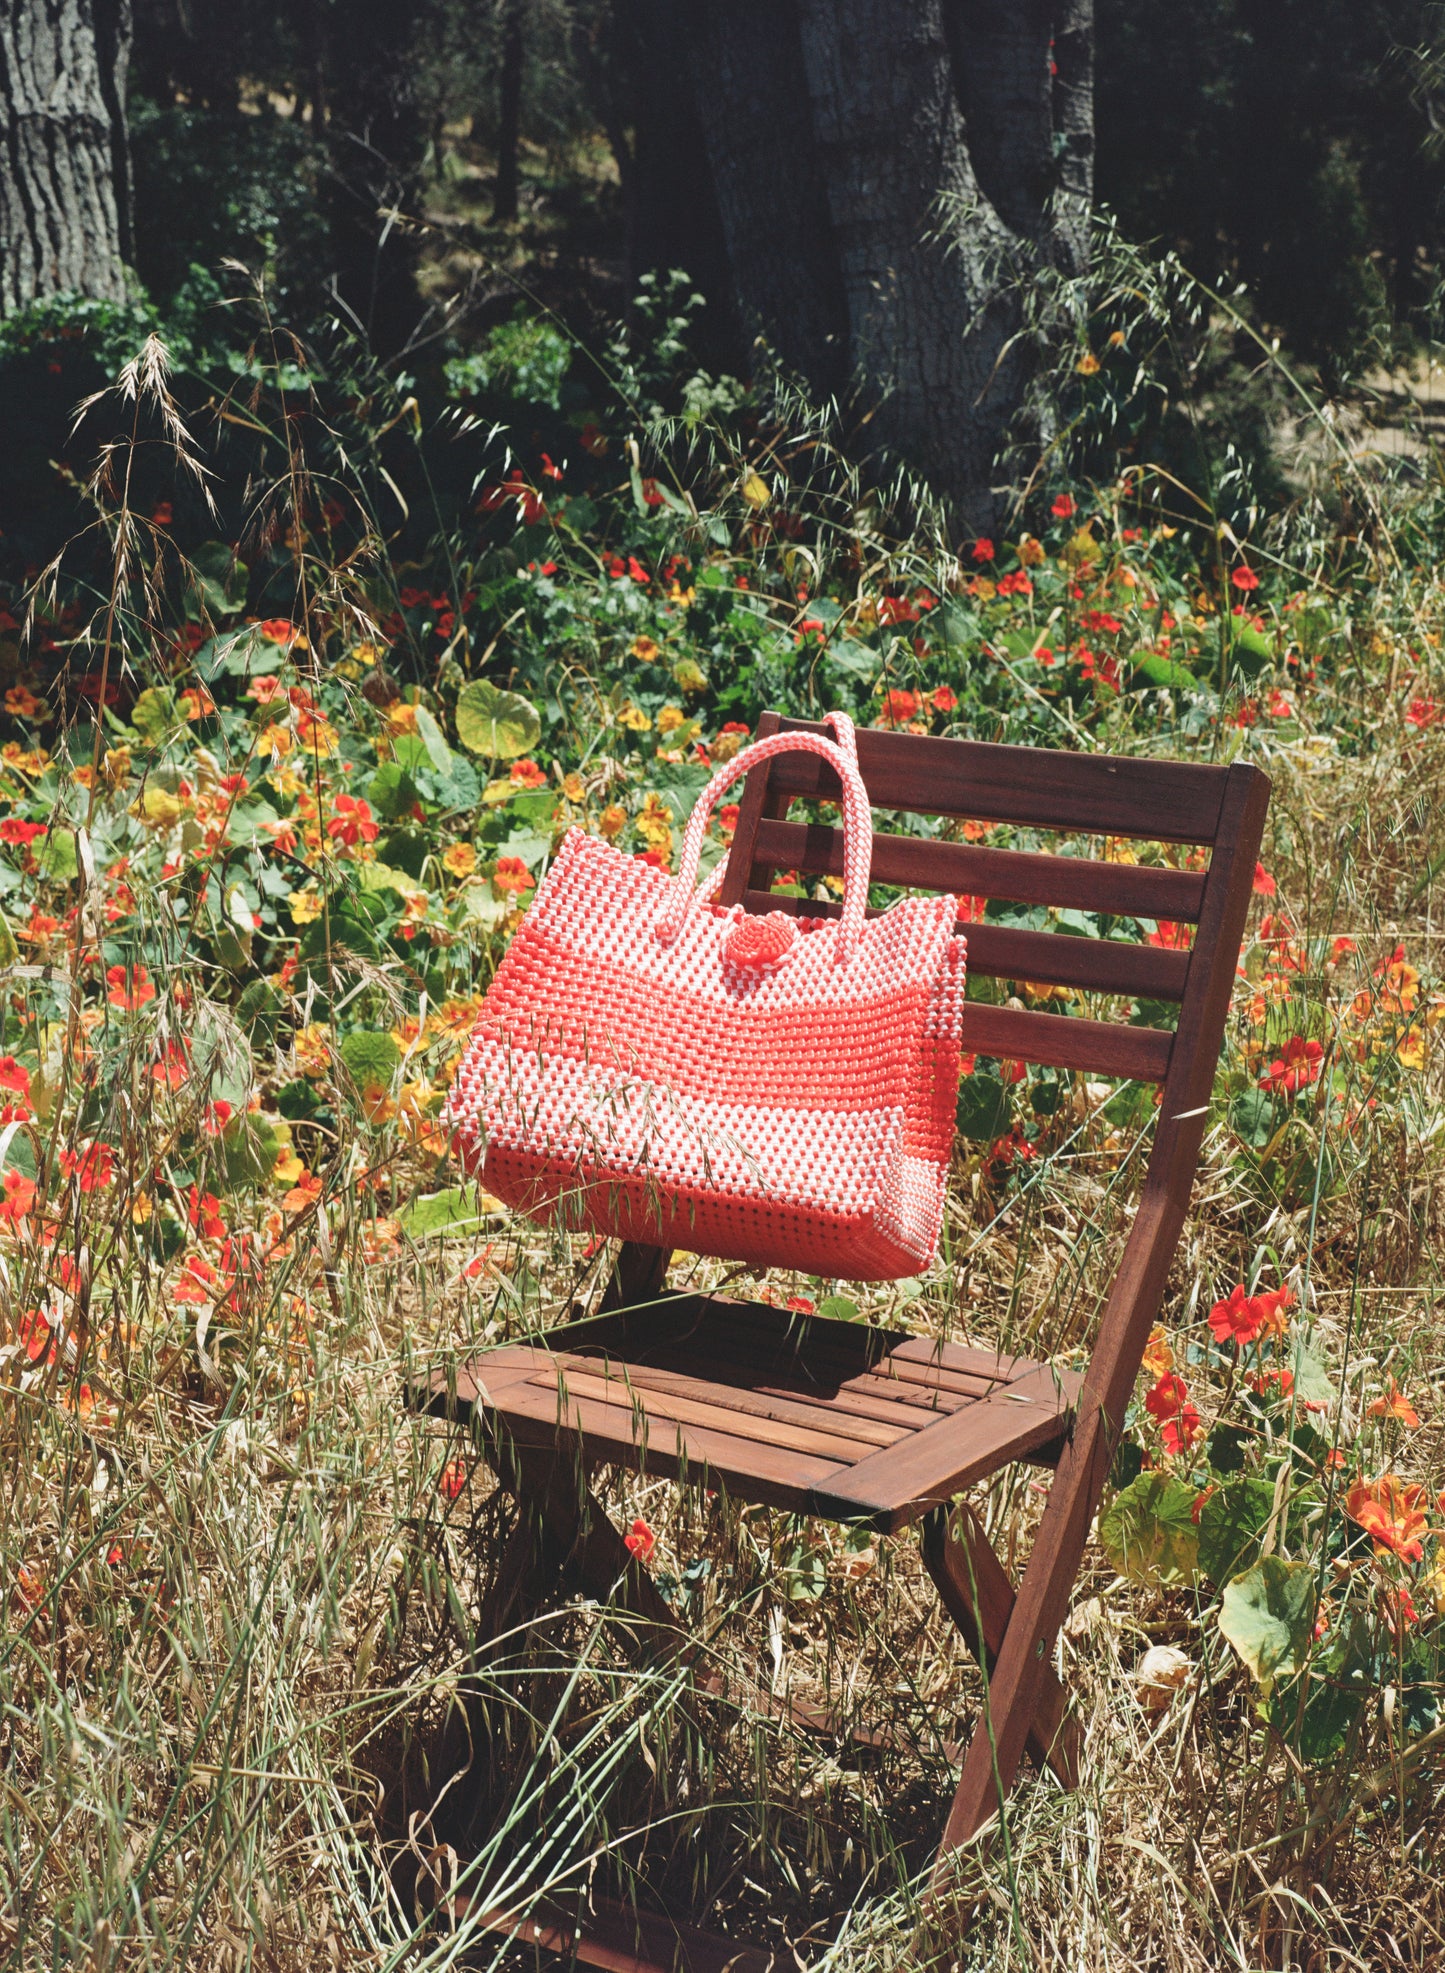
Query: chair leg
{"type": "Point", "coordinates": [1022, 1671]}
{"type": "Point", "coordinates": [974, 1588]}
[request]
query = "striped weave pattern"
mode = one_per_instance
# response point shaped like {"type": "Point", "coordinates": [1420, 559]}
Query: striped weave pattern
{"type": "Point", "coordinates": [763, 1088]}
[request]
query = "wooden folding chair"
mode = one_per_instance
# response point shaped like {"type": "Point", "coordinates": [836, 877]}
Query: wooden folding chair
{"type": "Point", "coordinates": [872, 1426]}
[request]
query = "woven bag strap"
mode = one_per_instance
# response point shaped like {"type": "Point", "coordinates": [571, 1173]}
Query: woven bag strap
{"type": "Point", "coordinates": [842, 756]}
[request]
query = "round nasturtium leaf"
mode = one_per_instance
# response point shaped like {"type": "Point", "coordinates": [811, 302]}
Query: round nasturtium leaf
{"type": "Point", "coordinates": [500, 725]}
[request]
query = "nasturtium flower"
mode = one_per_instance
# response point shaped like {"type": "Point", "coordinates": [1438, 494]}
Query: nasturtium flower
{"type": "Point", "coordinates": [512, 876]}
{"type": "Point", "coordinates": [92, 1166]}
{"type": "Point", "coordinates": [1393, 1515]}
{"type": "Point", "coordinates": [1295, 1068]}
{"type": "Point", "coordinates": [129, 988]}
{"type": "Point", "coordinates": [459, 859]}
{"type": "Point", "coordinates": [306, 907]}
{"type": "Point", "coordinates": [1392, 1403]}
{"type": "Point", "coordinates": [1238, 1319]}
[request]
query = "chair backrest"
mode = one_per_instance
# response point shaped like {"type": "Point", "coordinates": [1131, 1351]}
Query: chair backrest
{"type": "Point", "coordinates": [1220, 809]}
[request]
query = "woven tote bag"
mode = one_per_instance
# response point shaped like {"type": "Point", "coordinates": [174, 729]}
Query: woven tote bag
{"type": "Point", "coordinates": [758, 1087]}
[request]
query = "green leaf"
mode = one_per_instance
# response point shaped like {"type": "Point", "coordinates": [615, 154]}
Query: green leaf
{"type": "Point", "coordinates": [9, 950]}
{"type": "Point", "coordinates": [500, 725]}
{"type": "Point", "coordinates": [434, 740]}
{"type": "Point", "coordinates": [57, 858]}
{"type": "Point", "coordinates": [220, 577]}
{"type": "Point", "coordinates": [857, 660]}
{"type": "Point", "coordinates": [983, 1108]}
{"type": "Point", "coordinates": [154, 714]}
{"type": "Point", "coordinates": [1268, 1615]}
{"type": "Point", "coordinates": [1225, 1448]}
{"type": "Point", "coordinates": [1251, 651]}
{"type": "Point", "coordinates": [1230, 1525]}
{"type": "Point", "coordinates": [1312, 1381]}
{"type": "Point", "coordinates": [438, 1215]}
{"type": "Point", "coordinates": [1148, 1530]}
{"type": "Point", "coordinates": [371, 1055]}
{"type": "Point", "coordinates": [391, 790]}
{"type": "Point", "coordinates": [382, 877]}
{"type": "Point", "coordinates": [839, 1308]}
{"type": "Point", "coordinates": [1252, 1117]}
{"type": "Point", "coordinates": [1156, 669]}
{"type": "Point", "coordinates": [248, 819]}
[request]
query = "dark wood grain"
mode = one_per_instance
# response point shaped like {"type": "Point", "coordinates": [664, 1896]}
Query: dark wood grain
{"type": "Point", "coordinates": [619, 1939]}
{"type": "Point", "coordinates": [1160, 801]}
{"type": "Point", "coordinates": [1126, 890]}
{"type": "Point", "coordinates": [1098, 1047]}
{"type": "Point", "coordinates": [974, 1588]}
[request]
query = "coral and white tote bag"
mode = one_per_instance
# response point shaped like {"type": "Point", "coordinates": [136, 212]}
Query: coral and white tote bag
{"type": "Point", "coordinates": [770, 1090]}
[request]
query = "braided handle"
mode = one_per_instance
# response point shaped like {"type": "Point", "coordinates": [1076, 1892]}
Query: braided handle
{"type": "Point", "coordinates": [842, 755]}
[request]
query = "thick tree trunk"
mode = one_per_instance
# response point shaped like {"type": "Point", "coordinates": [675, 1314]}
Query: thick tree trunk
{"type": "Point", "coordinates": [509, 112]}
{"type": "Point", "coordinates": [890, 177]}
{"type": "Point", "coordinates": [64, 168]}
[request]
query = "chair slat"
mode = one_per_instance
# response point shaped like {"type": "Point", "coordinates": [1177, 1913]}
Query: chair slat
{"type": "Point", "coordinates": [1098, 794]}
{"type": "Point", "coordinates": [1007, 952]}
{"type": "Point", "coordinates": [1130, 890]}
{"type": "Point", "coordinates": [1058, 1041]}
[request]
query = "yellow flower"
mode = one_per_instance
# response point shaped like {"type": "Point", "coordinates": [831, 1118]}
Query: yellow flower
{"type": "Point", "coordinates": [320, 738]}
{"type": "Point", "coordinates": [1088, 364]}
{"type": "Point", "coordinates": [574, 788]}
{"type": "Point", "coordinates": [644, 649]}
{"type": "Point", "coordinates": [306, 907]}
{"type": "Point", "coordinates": [313, 1049]}
{"type": "Point", "coordinates": [400, 717]}
{"type": "Point", "coordinates": [459, 859]}
{"type": "Point", "coordinates": [1412, 1048]}
{"type": "Point", "coordinates": [287, 1168]}
{"type": "Point", "coordinates": [634, 719]}
{"type": "Point", "coordinates": [277, 741]}
{"type": "Point", "coordinates": [612, 821]}
{"type": "Point", "coordinates": [1117, 849]}
{"type": "Point", "coordinates": [670, 718]}
{"type": "Point", "coordinates": [1158, 1357]}
{"type": "Point", "coordinates": [142, 1205]}
{"type": "Point", "coordinates": [1031, 552]}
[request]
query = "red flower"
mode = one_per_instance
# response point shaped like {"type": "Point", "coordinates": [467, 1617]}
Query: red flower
{"type": "Point", "coordinates": [15, 1076]}
{"type": "Point", "coordinates": [1295, 1068]}
{"type": "Point", "coordinates": [942, 699]}
{"type": "Point", "coordinates": [452, 1478]}
{"type": "Point", "coordinates": [173, 1067]}
{"type": "Point", "coordinates": [130, 988]}
{"type": "Point", "coordinates": [551, 472]}
{"type": "Point", "coordinates": [203, 1212]}
{"type": "Point", "coordinates": [802, 1304]}
{"type": "Point", "coordinates": [1245, 579]}
{"type": "Point", "coordinates": [1172, 937]}
{"type": "Point", "coordinates": [18, 834]}
{"type": "Point", "coordinates": [1238, 1319]}
{"type": "Point", "coordinates": [18, 1197]}
{"type": "Point", "coordinates": [640, 1540]}
{"type": "Point", "coordinates": [1016, 583]}
{"type": "Point", "coordinates": [983, 549]}
{"type": "Point", "coordinates": [1063, 508]}
{"type": "Point", "coordinates": [92, 1166]}
{"type": "Point", "coordinates": [215, 1117]}
{"type": "Point", "coordinates": [1422, 713]}
{"type": "Point", "coordinates": [526, 774]}
{"type": "Point", "coordinates": [1181, 1433]}
{"type": "Point", "coordinates": [37, 1338]}
{"type": "Point", "coordinates": [352, 822]}
{"type": "Point", "coordinates": [1167, 1398]}
{"type": "Point", "coordinates": [1264, 884]}
{"type": "Point", "coordinates": [899, 707]}
{"type": "Point", "coordinates": [279, 630]}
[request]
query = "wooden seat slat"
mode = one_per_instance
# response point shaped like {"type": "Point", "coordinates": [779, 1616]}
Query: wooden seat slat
{"type": "Point", "coordinates": [1010, 952]}
{"type": "Point", "coordinates": [1093, 794]}
{"type": "Point", "coordinates": [738, 1421]}
{"type": "Point", "coordinates": [893, 1487]}
{"type": "Point", "coordinates": [804, 1335]}
{"type": "Point", "coordinates": [873, 1388]}
{"type": "Point", "coordinates": [605, 1433]}
{"type": "Point", "coordinates": [1125, 890]}
{"type": "Point", "coordinates": [652, 1385]}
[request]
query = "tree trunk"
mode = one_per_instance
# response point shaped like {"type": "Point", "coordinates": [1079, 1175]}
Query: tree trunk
{"type": "Point", "coordinates": [891, 176]}
{"type": "Point", "coordinates": [509, 112]}
{"type": "Point", "coordinates": [65, 177]}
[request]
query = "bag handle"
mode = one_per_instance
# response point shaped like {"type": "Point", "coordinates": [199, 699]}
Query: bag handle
{"type": "Point", "coordinates": [683, 897]}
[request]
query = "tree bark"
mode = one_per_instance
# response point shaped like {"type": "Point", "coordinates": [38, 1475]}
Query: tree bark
{"type": "Point", "coordinates": [891, 176]}
{"type": "Point", "coordinates": [509, 113]}
{"type": "Point", "coordinates": [65, 177]}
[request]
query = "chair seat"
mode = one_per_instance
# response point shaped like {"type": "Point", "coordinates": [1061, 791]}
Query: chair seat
{"type": "Point", "coordinates": [808, 1413]}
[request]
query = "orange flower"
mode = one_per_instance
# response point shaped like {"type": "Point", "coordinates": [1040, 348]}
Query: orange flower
{"type": "Point", "coordinates": [452, 1478]}
{"type": "Point", "coordinates": [512, 876]}
{"type": "Point", "coordinates": [130, 987]}
{"type": "Point", "coordinates": [1172, 937]}
{"type": "Point", "coordinates": [278, 630]}
{"type": "Point", "coordinates": [526, 774]}
{"type": "Point", "coordinates": [203, 1211]}
{"type": "Point", "coordinates": [1272, 1305]}
{"type": "Point", "coordinates": [351, 822]}
{"type": "Point", "coordinates": [1399, 983]}
{"type": "Point", "coordinates": [19, 1197]}
{"type": "Point", "coordinates": [1158, 1357]}
{"type": "Point", "coordinates": [173, 1067]}
{"type": "Point", "coordinates": [1391, 1514]}
{"type": "Point", "coordinates": [1394, 1404]}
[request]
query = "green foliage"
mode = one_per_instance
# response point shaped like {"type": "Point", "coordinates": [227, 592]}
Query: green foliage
{"type": "Point", "coordinates": [1268, 1615]}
